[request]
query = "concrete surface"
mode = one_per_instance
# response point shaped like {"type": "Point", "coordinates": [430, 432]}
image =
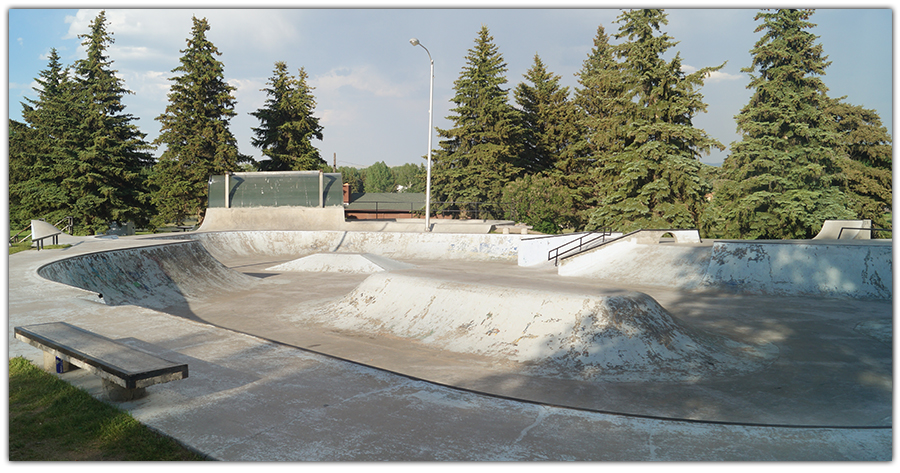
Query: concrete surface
{"type": "Point", "coordinates": [275, 376]}
{"type": "Point", "coordinates": [818, 268]}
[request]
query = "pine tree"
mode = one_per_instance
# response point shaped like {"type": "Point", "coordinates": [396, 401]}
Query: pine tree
{"type": "Point", "coordinates": [547, 118]}
{"type": "Point", "coordinates": [783, 176]}
{"type": "Point", "coordinates": [195, 132]}
{"type": "Point", "coordinates": [602, 106]}
{"type": "Point", "coordinates": [102, 171]}
{"type": "Point", "coordinates": [39, 144]}
{"type": "Point", "coordinates": [601, 111]}
{"type": "Point", "coordinates": [865, 159]}
{"type": "Point", "coordinates": [654, 179]}
{"type": "Point", "coordinates": [482, 151]}
{"type": "Point", "coordinates": [287, 126]}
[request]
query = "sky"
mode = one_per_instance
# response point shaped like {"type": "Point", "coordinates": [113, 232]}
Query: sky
{"type": "Point", "coordinates": [371, 85]}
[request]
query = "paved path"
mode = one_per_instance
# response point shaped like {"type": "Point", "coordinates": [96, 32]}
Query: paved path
{"type": "Point", "coordinates": [249, 398]}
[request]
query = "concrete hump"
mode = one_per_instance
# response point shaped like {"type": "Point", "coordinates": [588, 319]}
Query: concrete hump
{"type": "Point", "coordinates": [621, 337]}
{"type": "Point", "coordinates": [365, 263]}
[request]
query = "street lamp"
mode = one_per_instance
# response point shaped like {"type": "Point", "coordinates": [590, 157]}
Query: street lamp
{"type": "Point", "coordinates": [415, 42]}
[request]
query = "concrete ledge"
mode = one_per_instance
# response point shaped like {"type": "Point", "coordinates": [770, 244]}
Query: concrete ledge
{"type": "Point", "coordinates": [272, 218]}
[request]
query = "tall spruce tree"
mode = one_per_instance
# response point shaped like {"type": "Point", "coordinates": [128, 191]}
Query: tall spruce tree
{"type": "Point", "coordinates": [654, 179]}
{"type": "Point", "coordinates": [782, 178]}
{"type": "Point", "coordinates": [39, 144]}
{"type": "Point", "coordinates": [602, 103]}
{"type": "Point", "coordinates": [547, 118]}
{"type": "Point", "coordinates": [195, 132]}
{"type": "Point", "coordinates": [287, 125]}
{"type": "Point", "coordinates": [482, 152]}
{"type": "Point", "coordinates": [102, 172]}
{"type": "Point", "coordinates": [865, 159]}
{"type": "Point", "coordinates": [602, 109]}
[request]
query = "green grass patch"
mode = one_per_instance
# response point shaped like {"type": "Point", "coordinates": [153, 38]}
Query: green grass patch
{"type": "Point", "coordinates": [49, 419]}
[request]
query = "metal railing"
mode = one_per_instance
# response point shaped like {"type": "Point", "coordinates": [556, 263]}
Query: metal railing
{"type": "Point", "coordinates": [556, 255]}
{"type": "Point", "coordinates": [869, 229]}
{"type": "Point", "coordinates": [70, 226]}
{"type": "Point", "coordinates": [580, 245]}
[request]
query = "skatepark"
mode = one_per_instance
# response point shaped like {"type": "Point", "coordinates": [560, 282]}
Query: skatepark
{"type": "Point", "coordinates": [333, 340]}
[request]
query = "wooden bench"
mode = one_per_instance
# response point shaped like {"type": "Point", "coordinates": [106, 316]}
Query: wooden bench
{"type": "Point", "coordinates": [125, 371]}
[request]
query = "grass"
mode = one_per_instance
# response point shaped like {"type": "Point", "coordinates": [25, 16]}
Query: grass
{"type": "Point", "coordinates": [49, 419]}
{"type": "Point", "coordinates": [26, 245]}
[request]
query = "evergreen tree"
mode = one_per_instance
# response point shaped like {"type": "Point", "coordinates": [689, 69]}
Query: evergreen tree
{"type": "Point", "coordinates": [482, 151]}
{"type": "Point", "coordinates": [287, 126]}
{"type": "Point", "coordinates": [865, 159]}
{"type": "Point", "coordinates": [379, 178]}
{"type": "Point", "coordinates": [38, 145]}
{"type": "Point", "coordinates": [603, 107]}
{"type": "Point", "coordinates": [547, 118]}
{"type": "Point", "coordinates": [102, 170]}
{"type": "Point", "coordinates": [655, 178]}
{"type": "Point", "coordinates": [601, 111]}
{"type": "Point", "coordinates": [783, 176]}
{"type": "Point", "coordinates": [195, 131]}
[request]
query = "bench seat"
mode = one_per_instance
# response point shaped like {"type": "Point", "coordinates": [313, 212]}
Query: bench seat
{"type": "Point", "coordinates": [125, 371]}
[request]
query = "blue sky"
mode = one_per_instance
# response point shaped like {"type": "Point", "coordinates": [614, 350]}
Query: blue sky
{"type": "Point", "coordinates": [371, 85]}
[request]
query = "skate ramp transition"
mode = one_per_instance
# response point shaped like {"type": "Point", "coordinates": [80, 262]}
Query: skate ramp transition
{"type": "Point", "coordinates": [836, 268]}
{"type": "Point", "coordinates": [152, 276]}
{"type": "Point", "coordinates": [444, 246]}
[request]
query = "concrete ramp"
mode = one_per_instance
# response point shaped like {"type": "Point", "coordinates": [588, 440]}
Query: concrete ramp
{"type": "Point", "coordinates": [631, 263]}
{"type": "Point", "coordinates": [852, 269]}
{"type": "Point", "coordinates": [817, 268]}
{"type": "Point", "coordinates": [845, 230]}
{"type": "Point", "coordinates": [365, 263]}
{"type": "Point", "coordinates": [155, 277]}
{"type": "Point", "coordinates": [626, 336]}
{"type": "Point", "coordinates": [428, 246]}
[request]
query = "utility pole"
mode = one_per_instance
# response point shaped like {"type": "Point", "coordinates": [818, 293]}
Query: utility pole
{"type": "Point", "coordinates": [335, 162]}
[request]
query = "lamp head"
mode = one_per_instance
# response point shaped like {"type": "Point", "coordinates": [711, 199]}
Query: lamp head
{"type": "Point", "coordinates": [414, 42]}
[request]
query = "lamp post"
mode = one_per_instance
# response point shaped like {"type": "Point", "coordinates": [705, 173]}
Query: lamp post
{"type": "Point", "coordinates": [415, 42]}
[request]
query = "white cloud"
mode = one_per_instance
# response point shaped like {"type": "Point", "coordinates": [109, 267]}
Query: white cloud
{"type": "Point", "coordinates": [714, 76]}
{"type": "Point", "coordinates": [362, 78]}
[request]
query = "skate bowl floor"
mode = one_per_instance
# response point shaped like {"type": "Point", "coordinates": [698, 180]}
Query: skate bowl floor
{"type": "Point", "coordinates": [458, 312]}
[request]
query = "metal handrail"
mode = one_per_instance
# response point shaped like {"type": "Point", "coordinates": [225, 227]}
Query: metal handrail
{"type": "Point", "coordinates": [870, 230]}
{"type": "Point", "coordinates": [554, 254]}
{"type": "Point", "coordinates": [574, 251]}
{"type": "Point", "coordinates": [70, 225]}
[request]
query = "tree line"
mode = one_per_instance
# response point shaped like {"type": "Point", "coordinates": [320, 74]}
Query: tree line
{"type": "Point", "coordinates": [619, 151]}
